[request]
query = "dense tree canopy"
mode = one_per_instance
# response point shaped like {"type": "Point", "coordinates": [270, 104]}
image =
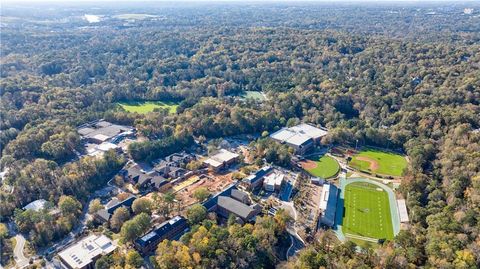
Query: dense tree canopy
{"type": "Point", "coordinates": [401, 77]}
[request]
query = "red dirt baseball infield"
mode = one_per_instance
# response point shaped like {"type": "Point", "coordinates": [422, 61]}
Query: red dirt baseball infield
{"type": "Point", "coordinates": [373, 164]}
{"type": "Point", "coordinates": [308, 164]}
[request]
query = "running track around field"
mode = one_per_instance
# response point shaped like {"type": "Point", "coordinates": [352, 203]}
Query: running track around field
{"type": "Point", "coordinates": [341, 198]}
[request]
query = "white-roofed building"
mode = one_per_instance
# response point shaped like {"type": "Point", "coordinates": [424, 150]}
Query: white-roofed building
{"type": "Point", "coordinates": [328, 205]}
{"type": "Point", "coordinates": [273, 181]}
{"type": "Point", "coordinates": [309, 130]}
{"type": "Point", "coordinates": [86, 251]}
{"type": "Point", "coordinates": [36, 205]}
{"type": "Point", "coordinates": [100, 138]}
{"type": "Point", "coordinates": [402, 210]}
{"type": "Point", "coordinates": [216, 165]}
{"type": "Point", "coordinates": [221, 159]}
{"type": "Point", "coordinates": [301, 137]}
{"type": "Point", "coordinates": [106, 146]}
{"type": "Point", "coordinates": [99, 150]}
{"type": "Point", "coordinates": [324, 197]}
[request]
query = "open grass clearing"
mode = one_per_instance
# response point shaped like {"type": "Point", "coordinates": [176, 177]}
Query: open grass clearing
{"type": "Point", "coordinates": [259, 96]}
{"type": "Point", "coordinates": [143, 107]}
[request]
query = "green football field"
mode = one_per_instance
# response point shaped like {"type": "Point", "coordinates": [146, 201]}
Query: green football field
{"type": "Point", "coordinates": [144, 107]}
{"type": "Point", "coordinates": [326, 167]}
{"type": "Point", "coordinates": [367, 211]}
{"type": "Point", "coordinates": [380, 162]}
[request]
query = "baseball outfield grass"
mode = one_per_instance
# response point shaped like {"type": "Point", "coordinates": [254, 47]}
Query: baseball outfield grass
{"type": "Point", "coordinates": [326, 167]}
{"type": "Point", "coordinates": [380, 162]}
{"type": "Point", "coordinates": [367, 212]}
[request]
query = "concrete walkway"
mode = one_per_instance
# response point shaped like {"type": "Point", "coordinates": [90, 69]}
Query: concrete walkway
{"type": "Point", "coordinates": [20, 259]}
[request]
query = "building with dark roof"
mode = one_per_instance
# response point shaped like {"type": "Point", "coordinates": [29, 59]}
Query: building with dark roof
{"type": "Point", "coordinates": [211, 203]}
{"type": "Point", "coordinates": [240, 196]}
{"type": "Point", "coordinates": [256, 180]}
{"type": "Point", "coordinates": [180, 158]}
{"type": "Point", "coordinates": [171, 166]}
{"type": "Point", "coordinates": [143, 181]}
{"type": "Point", "coordinates": [328, 204]}
{"type": "Point", "coordinates": [227, 206]}
{"type": "Point", "coordinates": [233, 201]}
{"type": "Point", "coordinates": [160, 184]}
{"type": "Point", "coordinates": [171, 229]}
{"type": "Point", "coordinates": [104, 215]}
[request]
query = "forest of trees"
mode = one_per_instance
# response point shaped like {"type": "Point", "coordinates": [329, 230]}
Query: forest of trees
{"type": "Point", "coordinates": [387, 76]}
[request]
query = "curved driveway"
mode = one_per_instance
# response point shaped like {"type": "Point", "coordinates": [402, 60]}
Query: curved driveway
{"type": "Point", "coordinates": [20, 258]}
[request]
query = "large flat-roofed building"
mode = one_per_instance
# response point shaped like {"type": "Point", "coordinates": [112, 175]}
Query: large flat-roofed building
{"type": "Point", "coordinates": [221, 159]}
{"type": "Point", "coordinates": [302, 137]}
{"type": "Point", "coordinates": [170, 229]}
{"type": "Point", "coordinates": [84, 253]}
{"type": "Point", "coordinates": [328, 204]}
{"type": "Point", "coordinates": [102, 131]}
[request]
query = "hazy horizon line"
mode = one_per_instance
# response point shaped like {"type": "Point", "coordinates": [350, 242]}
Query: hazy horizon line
{"type": "Point", "coordinates": [237, 1]}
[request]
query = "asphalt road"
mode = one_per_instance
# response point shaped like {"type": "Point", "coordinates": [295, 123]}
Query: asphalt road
{"type": "Point", "coordinates": [296, 246]}
{"type": "Point", "coordinates": [20, 258]}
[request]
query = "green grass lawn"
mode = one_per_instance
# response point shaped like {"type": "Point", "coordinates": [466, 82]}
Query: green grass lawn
{"type": "Point", "coordinates": [388, 163]}
{"type": "Point", "coordinates": [326, 167]}
{"type": "Point", "coordinates": [367, 211]}
{"type": "Point", "coordinates": [253, 95]}
{"type": "Point", "coordinates": [144, 107]}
